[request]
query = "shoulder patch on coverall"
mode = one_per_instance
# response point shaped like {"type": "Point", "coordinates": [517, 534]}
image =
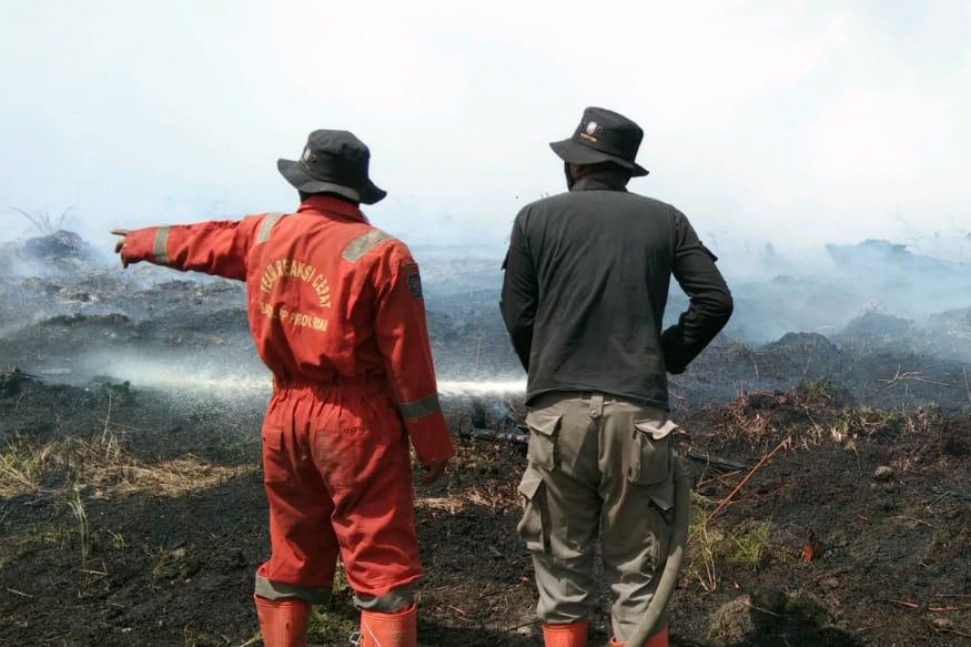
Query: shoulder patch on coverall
{"type": "Point", "coordinates": [414, 281]}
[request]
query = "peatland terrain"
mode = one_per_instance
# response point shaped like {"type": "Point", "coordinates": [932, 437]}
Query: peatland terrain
{"type": "Point", "coordinates": [832, 498]}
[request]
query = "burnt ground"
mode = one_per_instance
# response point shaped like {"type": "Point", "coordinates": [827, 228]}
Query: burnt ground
{"type": "Point", "coordinates": [133, 513]}
{"type": "Point", "coordinates": [132, 518]}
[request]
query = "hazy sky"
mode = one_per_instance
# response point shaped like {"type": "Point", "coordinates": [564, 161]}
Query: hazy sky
{"type": "Point", "coordinates": [800, 122]}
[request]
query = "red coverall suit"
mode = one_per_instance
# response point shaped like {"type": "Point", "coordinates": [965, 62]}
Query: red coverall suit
{"type": "Point", "coordinates": [336, 311]}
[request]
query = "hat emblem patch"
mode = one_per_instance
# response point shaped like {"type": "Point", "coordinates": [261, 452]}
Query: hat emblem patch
{"type": "Point", "coordinates": [591, 129]}
{"type": "Point", "coordinates": [307, 156]}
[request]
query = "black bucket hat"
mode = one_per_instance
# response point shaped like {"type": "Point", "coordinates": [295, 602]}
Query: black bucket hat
{"type": "Point", "coordinates": [334, 161]}
{"type": "Point", "coordinates": [603, 136]}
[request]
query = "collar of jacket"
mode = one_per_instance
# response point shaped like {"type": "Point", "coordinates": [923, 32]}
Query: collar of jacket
{"type": "Point", "coordinates": [327, 204]}
{"type": "Point", "coordinates": [599, 183]}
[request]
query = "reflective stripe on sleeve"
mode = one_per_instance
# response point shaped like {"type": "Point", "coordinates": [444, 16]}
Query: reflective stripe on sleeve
{"type": "Point", "coordinates": [280, 591]}
{"type": "Point", "coordinates": [267, 227]}
{"type": "Point", "coordinates": [363, 244]}
{"type": "Point", "coordinates": [161, 246]}
{"type": "Point", "coordinates": [420, 408]}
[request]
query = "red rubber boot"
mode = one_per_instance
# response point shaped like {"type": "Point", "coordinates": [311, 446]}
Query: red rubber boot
{"type": "Point", "coordinates": [571, 635]}
{"type": "Point", "coordinates": [660, 639]}
{"type": "Point", "coordinates": [283, 623]}
{"type": "Point", "coordinates": [398, 629]}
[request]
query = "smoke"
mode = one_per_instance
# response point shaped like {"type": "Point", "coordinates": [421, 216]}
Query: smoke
{"type": "Point", "coordinates": [826, 289]}
{"type": "Point", "coordinates": [155, 329]}
{"type": "Point", "coordinates": [777, 288]}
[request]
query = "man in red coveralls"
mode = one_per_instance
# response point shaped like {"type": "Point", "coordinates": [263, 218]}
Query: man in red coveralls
{"type": "Point", "coordinates": [336, 311]}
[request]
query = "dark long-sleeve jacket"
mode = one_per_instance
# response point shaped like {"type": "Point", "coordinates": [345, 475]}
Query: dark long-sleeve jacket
{"type": "Point", "coordinates": [586, 282]}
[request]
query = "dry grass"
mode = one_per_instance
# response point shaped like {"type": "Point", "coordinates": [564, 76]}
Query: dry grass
{"type": "Point", "coordinates": [816, 414]}
{"type": "Point", "coordinates": [700, 553]}
{"type": "Point", "coordinates": [84, 529]}
{"type": "Point", "coordinates": [472, 497]}
{"type": "Point", "coordinates": [21, 466]}
{"type": "Point", "coordinates": [709, 548]}
{"type": "Point", "coordinates": [449, 504]}
{"type": "Point", "coordinates": [748, 546]}
{"type": "Point", "coordinates": [168, 479]}
{"type": "Point", "coordinates": [481, 481]}
{"type": "Point", "coordinates": [101, 465]}
{"type": "Point", "coordinates": [45, 222]}
{"type": "Point", "coordinates": [73, 471]}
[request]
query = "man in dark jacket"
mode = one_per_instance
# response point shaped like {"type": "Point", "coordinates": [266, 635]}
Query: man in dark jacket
{"type": "Point", "coordinates": [586, 283]}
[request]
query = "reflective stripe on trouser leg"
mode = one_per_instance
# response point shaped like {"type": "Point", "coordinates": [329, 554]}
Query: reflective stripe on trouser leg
{"type": "Point", "coordinates": [279, 591]}
{"type": "Point", "coordinates": [390, 602]}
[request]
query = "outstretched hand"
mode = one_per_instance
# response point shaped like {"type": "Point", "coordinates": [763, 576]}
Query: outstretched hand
{"type": "Point", "coordinates": [120, 245]}
{"type": "Point", "coordinates": [433, 471]}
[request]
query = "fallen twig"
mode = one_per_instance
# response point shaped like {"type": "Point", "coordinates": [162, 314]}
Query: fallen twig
{"type": "Point", "coordinates": [919, 522]}
{"type": "Point", "coordinates": [941, 493]}
{"type": "Point", "coordinates": [252, 641]}
{"type": "Point", "coordinates": [724, 502]}
{"type": "Point", "coordinates": [16, 373]}
{"type": "Point", "coordinates": [911, 375]}
{"type": "Point", "coordinates": [20, 593]}
{"type": "Point", "coordinates": [525, 624]}
{"type": "Point", "coordinates": [914, 605]}
{"type": "Point", "coordinates": [752, 605]}
{"type": "Point", "coordinates": [717, 478]}
{"type": "Point", "coordinates": [716, 461]}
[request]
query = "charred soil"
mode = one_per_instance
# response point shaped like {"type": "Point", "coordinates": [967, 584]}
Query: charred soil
{"type": "Point", "coordinates": [132, 518]}
{"type": "Point", "coordinates": [832, 502]}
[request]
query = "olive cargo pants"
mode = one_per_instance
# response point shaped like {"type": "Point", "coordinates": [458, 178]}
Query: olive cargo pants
{"type": "Point", "coordinates": [597, 465]}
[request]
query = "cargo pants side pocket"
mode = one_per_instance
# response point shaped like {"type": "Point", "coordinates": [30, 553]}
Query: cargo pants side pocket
{"type": "Point", "coordinates": [650, 456]}
{"type": "Point", "coordinates": [533, 528]}
{"type": "Point", "coordinates": [543, 426]}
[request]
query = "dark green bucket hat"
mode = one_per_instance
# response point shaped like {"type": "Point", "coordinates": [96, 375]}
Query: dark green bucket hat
{"type": "Point", "coordinates": [603, 136]}
{"type": "Point", "coordinates": [333, 161]}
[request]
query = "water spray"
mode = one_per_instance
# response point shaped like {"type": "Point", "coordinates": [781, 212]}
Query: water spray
{"type": "Point", "coordinates": [168, 376]}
